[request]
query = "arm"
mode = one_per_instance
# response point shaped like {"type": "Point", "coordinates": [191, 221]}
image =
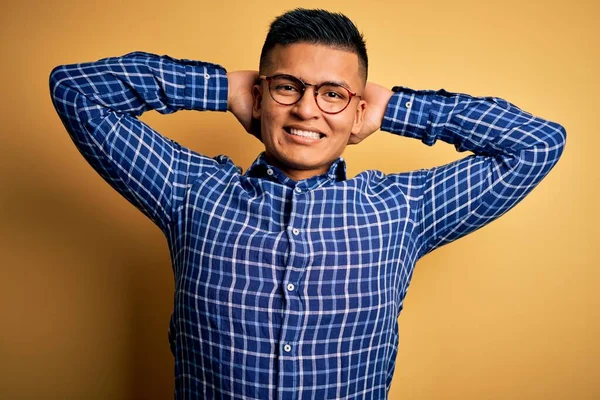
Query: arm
{"type": "Point", "coordinates": [513, 151]}
{"type": "Point", "coordinates": [99, 102]}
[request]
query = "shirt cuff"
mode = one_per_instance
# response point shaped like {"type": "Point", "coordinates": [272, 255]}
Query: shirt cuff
{"type": "Point", "coordinates": [206, 86]}
{"type": "Point", "coordinates": [408, 113]}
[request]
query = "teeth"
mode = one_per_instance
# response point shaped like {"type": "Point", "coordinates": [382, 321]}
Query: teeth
{"type": "Point", "coordinates": [308, 134]}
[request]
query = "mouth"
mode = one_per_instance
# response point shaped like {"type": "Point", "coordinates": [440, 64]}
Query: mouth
{"type": "Point", "coordinates": [303, 133]}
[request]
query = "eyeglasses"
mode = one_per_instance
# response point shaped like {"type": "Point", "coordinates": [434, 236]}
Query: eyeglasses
{"type": "Point", "coordinates": [331, 98]}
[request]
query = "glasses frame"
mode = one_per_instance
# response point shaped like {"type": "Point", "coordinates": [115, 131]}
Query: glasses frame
{"type": "Point", "coordinates": [351, 94]}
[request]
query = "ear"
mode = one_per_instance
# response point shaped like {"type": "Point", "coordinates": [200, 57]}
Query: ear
{"type": "Point", "coordinates": [256, 101]}
{"type": "Point", "coordinates": [359, 117]}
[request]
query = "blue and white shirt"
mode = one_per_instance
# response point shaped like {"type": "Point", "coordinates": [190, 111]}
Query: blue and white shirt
{"type": "Point", "coordinates": [284, 289]}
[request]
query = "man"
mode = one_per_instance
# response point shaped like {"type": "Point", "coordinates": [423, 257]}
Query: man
{"type": "Point", "coordinates": [290, 277]}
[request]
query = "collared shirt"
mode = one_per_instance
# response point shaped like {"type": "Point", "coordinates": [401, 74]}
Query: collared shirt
{"type": "Point", "coordinates": [284, 289]}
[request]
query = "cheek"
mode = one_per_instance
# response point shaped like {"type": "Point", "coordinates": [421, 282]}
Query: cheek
{"type": "Point", "coordinates": [270, 117]}
{"type": "Point", "coordinates": [342, 125]}
{"type": "Point", "coordinates": [271, 125]}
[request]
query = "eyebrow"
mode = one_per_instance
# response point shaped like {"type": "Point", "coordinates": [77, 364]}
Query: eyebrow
{"type": "Point", "coordinates": [340, 83]}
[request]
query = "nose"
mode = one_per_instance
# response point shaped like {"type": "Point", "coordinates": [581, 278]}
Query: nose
{"type": "Point", "coordinates": [306, 107]}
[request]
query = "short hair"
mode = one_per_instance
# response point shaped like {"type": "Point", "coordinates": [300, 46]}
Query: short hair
{"type": "Point", "coordinates": [316, 26]}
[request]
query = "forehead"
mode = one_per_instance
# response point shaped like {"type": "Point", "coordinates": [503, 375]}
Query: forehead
{"type": "Point", "coordinates": [315, 63]}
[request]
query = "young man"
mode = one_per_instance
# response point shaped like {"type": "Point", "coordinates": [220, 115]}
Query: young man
{"type": "Point", "coordinates": [289, 278]}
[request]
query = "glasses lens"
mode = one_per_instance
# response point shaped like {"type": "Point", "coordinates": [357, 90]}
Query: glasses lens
{"type": "Point", "coordinates": [285, 89]}
{"type": "Point", "coordinates": [332, 98]}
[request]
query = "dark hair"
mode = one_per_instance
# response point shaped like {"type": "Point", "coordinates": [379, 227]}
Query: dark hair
{"type": "Point", "coordinates": [316, 27]}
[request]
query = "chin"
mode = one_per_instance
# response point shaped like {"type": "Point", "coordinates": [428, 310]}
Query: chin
{"type": "Point", "coordinates": [300, 162]}
{"type": "Point", "coordinates": [300, 156]}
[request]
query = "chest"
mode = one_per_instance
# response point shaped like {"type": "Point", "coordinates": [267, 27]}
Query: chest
{"type": "Point", "coordinates": [338, 247]}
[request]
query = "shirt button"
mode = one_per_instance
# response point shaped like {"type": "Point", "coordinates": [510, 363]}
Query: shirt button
{"type": "Point", "coordinates": [269, 171]}
{"type": "Point", "coordinates": [287, 348]}
{"type": "Point", "coordinates": [290, 286]}
{"type": "Point", "coordinates": [408, 104]}
{"type": "Point", "coordinates": [295, 231]}
{"type": "Point", "coordinates": [207, 76]}
{"type": "Point", "coordinates": [298, 190]}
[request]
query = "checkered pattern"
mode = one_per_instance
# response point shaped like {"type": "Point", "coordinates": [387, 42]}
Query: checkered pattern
{"type": "Point", "coordinates": [291, 290]}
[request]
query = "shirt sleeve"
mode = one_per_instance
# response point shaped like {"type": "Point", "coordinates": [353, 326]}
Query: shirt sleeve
{"type": "Point", "coordinates": [513, 151]}
{"type": "Point", "coordinates": [99, 102]}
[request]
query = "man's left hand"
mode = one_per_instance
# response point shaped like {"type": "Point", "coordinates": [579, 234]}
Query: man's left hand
{"type": "Point", "coordinates": [377, 98]}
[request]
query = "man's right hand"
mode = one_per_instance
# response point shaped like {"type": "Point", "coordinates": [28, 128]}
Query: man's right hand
{"type": "Point", "coordinates": [239, 101]}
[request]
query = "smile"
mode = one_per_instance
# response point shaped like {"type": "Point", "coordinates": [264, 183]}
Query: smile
{"type": "Point", "coordinates": [303, 133]}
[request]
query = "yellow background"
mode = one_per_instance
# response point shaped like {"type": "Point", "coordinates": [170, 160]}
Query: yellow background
{"type": "Point", "coordinates": [509, 312]}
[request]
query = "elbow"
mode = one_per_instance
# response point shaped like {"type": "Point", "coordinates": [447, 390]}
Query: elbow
{"type": "Point", "coordinates": [557, 139]}
{"type": "Point", "coordinates": [63, 84]}
{"type": "Point", "coordinates": [550, 140]}
{"type": "Point", "coordinates": [57, 76]}
{"type": "Point", "coordinates": [62, 76]}
{"type": "Point", "coordinates": [563, 134]}
{"type": "Point", "coordinates": [546, 154]}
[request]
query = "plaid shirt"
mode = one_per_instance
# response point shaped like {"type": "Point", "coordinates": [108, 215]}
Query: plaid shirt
{"type": "Point", "coordinates": [283, 289]}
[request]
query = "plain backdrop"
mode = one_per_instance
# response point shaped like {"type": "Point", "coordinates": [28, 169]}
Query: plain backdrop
{"type": "Point", "coordinates": [86, 287]}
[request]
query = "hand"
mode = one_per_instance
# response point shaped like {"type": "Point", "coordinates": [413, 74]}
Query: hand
{"type": "Point", "coordinates": [240, 100]}
{"type": "Point", "coordinates": [377, 98]}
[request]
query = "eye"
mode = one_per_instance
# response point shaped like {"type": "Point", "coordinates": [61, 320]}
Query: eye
{"type": "Point", "coordinates": [333, 95]}
{"type": "Point", "coordinates": [286, 87]}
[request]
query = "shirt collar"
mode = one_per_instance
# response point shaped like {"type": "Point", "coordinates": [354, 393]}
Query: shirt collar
{"type": "Point", "coordinates": [261, 168]}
